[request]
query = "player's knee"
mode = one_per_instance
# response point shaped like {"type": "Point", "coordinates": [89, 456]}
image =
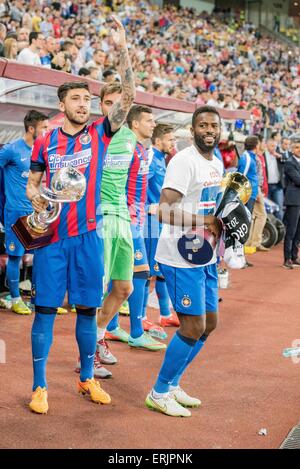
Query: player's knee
{"type": "Point", "coordinates": [193, 327]}
{"type": "Point", "coordinates": [211, 324]}
{"type": "Point", "coordinates": [84, 311]}
{"type": "Point", "coordinates": [45, 310]}
{"type": "Point", "coordinates": [122, 292]}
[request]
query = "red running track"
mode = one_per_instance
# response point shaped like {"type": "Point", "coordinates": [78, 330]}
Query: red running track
{"type": "Point", "coordinates": [243, 380]}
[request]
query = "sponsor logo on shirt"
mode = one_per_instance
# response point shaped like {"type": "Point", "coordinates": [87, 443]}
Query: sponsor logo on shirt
{"type": "Point", "coordinates": [215, 179]}
{"type": "Point", "coordinates": [81, 158]}
{"type": "Point", "coordinates": [117, 161]}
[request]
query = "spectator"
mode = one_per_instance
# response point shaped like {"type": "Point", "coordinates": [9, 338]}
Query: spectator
{"type": "Point", "coordinates": [98, 61]}
{"type": "Point", "coordinates": [16, 11]}
{"type": "Point", "coordinates": [36, 20]}
{"type": "Point", "coordinates": [48, 51]}
{"type": "Point", "coordinates": [109, 76]}
{"type": "Point", "coordinates": [274, 175]}
{"type": "Point", "coordinates": [292, 203]}
{"type": "Point", "coordinates": [27, 19]}
{"type": "Point", "coordinates": [23, 38]}
{"type": "Point", "coordinates": [84, 72]}
{"type": "Point", "coordinates": [10, 48]}
{"type": "Point", "coordinates": [61, 61]}
{"type": "Point", "coordinates": [46, 26]}
{"type": "Point", "coordinates": [259, 215]}
{"type": "Point", "coordinates": [94, 73]}
{"type": "Point", "coordinates": [79, 41]}
{"type": "Point", "coordinates": [284, 150]}
{"type": "Point", "coordinates": [2, 38]}
{"type": "Point", "coordinates": [30, 55]}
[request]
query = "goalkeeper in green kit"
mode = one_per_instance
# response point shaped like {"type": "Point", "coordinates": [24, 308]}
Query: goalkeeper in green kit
{"type": "Point", "coordinates": [118, 246]}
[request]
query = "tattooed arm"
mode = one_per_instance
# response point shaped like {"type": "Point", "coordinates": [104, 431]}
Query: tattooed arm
{"type": "Point", "coordinates": [118, 113]}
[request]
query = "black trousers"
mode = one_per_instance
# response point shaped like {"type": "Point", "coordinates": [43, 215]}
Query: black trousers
{"type": "Point", "coordinates": [292, 235]}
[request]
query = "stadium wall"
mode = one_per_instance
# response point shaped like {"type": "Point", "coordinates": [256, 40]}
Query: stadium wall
{"type": "Point", "coordinates": [199, 5]}
{"type": "Point", "coordinates": [263, 12]}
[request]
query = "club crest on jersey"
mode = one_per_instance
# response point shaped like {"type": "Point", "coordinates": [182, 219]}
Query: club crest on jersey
{"type": "Point", "coordinates": [186, 301]}
{"type": "Point", "coordinates": [12, 246]}
{"type": "Point", "coordinates": [138, 255]}
{"type": "Point", "coordinates": [156, 267]}
{"type": "Point", "coordinates": [85, 139]}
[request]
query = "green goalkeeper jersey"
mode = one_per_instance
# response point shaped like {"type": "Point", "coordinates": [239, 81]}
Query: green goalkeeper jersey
{"type": "Point", "coordinates": [115, 173]}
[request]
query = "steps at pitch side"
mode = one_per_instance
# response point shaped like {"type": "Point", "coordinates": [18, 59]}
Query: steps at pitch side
{"type": "Point", "coordinates": [292, 441]}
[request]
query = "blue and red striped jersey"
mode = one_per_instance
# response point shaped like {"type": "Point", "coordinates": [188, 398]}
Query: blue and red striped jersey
{"type": "Point", "coordinates": [85, 151]}
{"type": "Point", "coordinates": [137, 183]}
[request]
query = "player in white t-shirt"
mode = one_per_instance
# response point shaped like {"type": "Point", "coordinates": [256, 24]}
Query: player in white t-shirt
{"type": "Point", "coordinates": [188, 200]}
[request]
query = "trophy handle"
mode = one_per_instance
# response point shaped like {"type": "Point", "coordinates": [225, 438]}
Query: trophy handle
{"type": "Point", "coordinates": [39, 222]}
{"type": "Point", "coordinates": [49, 215]}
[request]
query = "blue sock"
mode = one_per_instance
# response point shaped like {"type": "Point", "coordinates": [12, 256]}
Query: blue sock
{"type": "Point", "coordinates": [146, 296]}
{"type": "Point", "coordinates": [194, 352]}
{"type": "Point", "coordinates": [177, 354]}
{"type": "Point", "coordinates": [163, 297]}
{"type": "Point", "coordinates": [41, 340]}
{"type": "Point", "coordinates": [86, 336]}
{"type": "Point", "coordinates": [13, 275]}
{"type": "Point", "coordinates": [114, 323]}
{"type": "Point", "coordinates": [136, 302]}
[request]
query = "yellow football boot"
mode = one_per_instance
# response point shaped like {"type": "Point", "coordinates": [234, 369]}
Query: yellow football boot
{"type": "Point", "coordinates": [94, 390]}
{"type": "Point", "coordinates": [20, 308]}
{"type": "Point", "coordinates": [39, 401]}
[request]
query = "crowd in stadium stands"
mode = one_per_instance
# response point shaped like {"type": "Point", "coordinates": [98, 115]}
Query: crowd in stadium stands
{"type": "Point", "coordinates": [208, 58]}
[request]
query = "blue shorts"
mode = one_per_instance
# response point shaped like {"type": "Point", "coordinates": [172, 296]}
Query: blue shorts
{"type": "Point", "coordinates": [152, 232]}
{"type": "Point", "coordinates": [139, 249]}
{"type": "Point", "coordinates": [192, 291]}
{"type": "Point", "coordinates": [12, 244]}
{"type": "Point", "coordinates": [73, 264]}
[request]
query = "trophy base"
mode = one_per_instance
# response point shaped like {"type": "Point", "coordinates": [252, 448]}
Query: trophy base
{"type": "Point", "coordinates": [28, 237]}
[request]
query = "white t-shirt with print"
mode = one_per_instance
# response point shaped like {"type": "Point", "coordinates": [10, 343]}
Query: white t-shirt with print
{"type": "Point", "coordinates": [199, 180]}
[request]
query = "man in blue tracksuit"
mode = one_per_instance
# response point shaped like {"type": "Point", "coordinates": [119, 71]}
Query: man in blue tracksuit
{"type": "Point", "coordinates": [15, 161]}
{"type": "Point", "coordinates": [247, 165]}
{"type": "Point", "coordinates": [163, 144]}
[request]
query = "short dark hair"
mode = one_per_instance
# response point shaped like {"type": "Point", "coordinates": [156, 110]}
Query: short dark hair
{"type": "Point", "coordinates": [161, 130]}
{"type": "Point", "coordinates": [202, 110]}
{"type": "Point", "coordinates": [110, 88]}
{"type": "Point", "coordinates": [79, 33]}
{"type": "Point", "coordinates": [156, 85]}
{"type": "Point", "coordinates": [260, 137]}
{"type": "Point", "coordinates": [251, 142]}
{"type": "Point", "coordinates": [108, 72]}
{"type": "Point", "coordinates": [84, 72]}
{"type": "Point", "coordinates": [273, 134]}
{"type": "Point", "coordinates": [32, 117]}
{"type": "Point", "coordinates": [135, 112]}
{"type": "Point", "coordinates": [33, 35]}
{"type": "Point", "coordinates": [71, 85]}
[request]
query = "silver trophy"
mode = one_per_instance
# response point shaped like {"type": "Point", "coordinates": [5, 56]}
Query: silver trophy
{"type": "Point", "coordinates": [67, 185]}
